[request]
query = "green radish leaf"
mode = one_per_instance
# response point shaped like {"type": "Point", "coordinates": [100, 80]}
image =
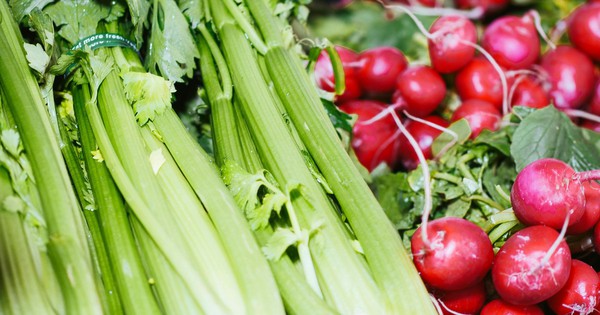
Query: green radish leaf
{"type": "Point", "coordinates": [445, 140]}
{"type": "Point", "coordinates": [339, 119]}
{"type": "Point", "coordinates": [172, 50]}
{"type": "Point", "coordinates": [549, 133]}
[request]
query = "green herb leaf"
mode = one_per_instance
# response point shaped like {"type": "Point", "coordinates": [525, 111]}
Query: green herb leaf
{"type": "Point", "coordinates": [149, 94]}
{"type": "Point", "coordinates": [77, 18]}
{"type": "Point", "coordinates": [549, 133]}
{"type": "Point", "coordinates": [172, 50]}
{"type": "Point", "coordinates": [37, 57]}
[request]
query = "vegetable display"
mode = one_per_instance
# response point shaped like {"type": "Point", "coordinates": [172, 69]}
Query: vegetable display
{"type": "Point", "coordinates": [299, 157]}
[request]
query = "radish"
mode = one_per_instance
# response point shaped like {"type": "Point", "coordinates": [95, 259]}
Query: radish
{"type": "Point", "coordinates": [591, 213]}
{"type": "Point", "coordinates": [479, 114]}
{"type": "Point", "coordinates": [479, 80]}
{"type": "Point", "coordinates": [570, 76]}
{"type": "Point", "coordinates": [419, 90]}
{"type": "Point", "coordinates": [378, 69]}
{"type": "Point", "coordinates": [465, 301]}
{"type": "Point", "coordinates": [596, 238]}
{"type": "Point", "coordinates": [424, 134]}
{"type": "Point", "coordinates": [500, 307]}
{"type": "Point", "coordinates": [488, 6]}
{"type": "Point", "coordinates": [593, 107]}
{"type": "Point", "coordinates": [374, 141]}
{"type": "Point", "coordinates": [547, 192]}
{"type": "Point", "coordinates": [583, 29]}
{"type": "Point", "coordinates": [528, 92]}
{"type": "Point", "coordinates": [579, 295]}
{"type": "Point", "coordinates": [457, 255]}
{"type": "Point", "coordinates": [512, 41]}
{"type": "Point", "coordinates": [425, 3]}
{"type": "Point", "coordinates": [446, 51]}
{"type": "Point", "coordinates": [324, 73]}
{"type": "Point", "coordinates": [591, 125]}
{"type": "Point", "coordinates": [531, 266]}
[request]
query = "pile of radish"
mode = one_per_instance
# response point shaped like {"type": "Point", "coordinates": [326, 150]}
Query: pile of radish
{"type": "Point", "coordinates": [479, 69]}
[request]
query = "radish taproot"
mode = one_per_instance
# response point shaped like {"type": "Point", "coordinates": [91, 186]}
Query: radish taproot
{"type": "Point", "coordinates": [512, 41]}
{"type": "Point", "coordinates": [419, 90]}
{"type": "Point", "coordinates": [446, 50]}
{"type": "Point", "coordinates": [579, 295]}
{"type": "Point", "coordinates": [500, 307]}
{"type": "Point", "coordinates": [479, 114]}
{"type": "Point", "coordinates": [531, 266]}
{"type": "Point", "coordinates": [424, 134]}
{"type": "Point", "coordinates": [547, 192]}
{"type": "Point", "coordinates": [457, 254]}
{"type": "Point", "coordinates": [374, 141]}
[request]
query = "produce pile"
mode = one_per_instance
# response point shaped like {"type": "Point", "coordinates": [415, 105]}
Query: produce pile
{"type": "Point", "coordinates": [254, 157]}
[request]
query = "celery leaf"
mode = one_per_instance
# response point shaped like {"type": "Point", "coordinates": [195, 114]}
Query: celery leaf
{"type": "Point", "coordinates": [13, 203]}
{"type": "Point", "coordinates": [279, 243]}
{"type": "Point", "coordinates": [11, 141]}
{"type": "Point", "coordinates": [21, 8]}
{"type": "Point", "coordinates": [148, 93]}
{"type": "Point", "coordinates": [171, 50]}
{"type": "Point", "coordinates": [157, 159]}
{"type": "Point", "coordinates": [193, 10]}
{"type": "Point", "coordinates": [138, 9]}
{"type": "Point", "coordinates": [78, 18]}
{"type": "Point", "coordinates": [37, 57]}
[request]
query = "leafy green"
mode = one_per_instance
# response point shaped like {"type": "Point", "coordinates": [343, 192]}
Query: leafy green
{"type": "Point", "coordinates": [138, 9]}
{"type": "Point", "coordinates": [149, 94]}
{"type": "Point", "coordinates": [548, 132]}
{"type": "Point", "coordinates": [21, 8]}
{"type": "Point", "coordinates": [171, 47]}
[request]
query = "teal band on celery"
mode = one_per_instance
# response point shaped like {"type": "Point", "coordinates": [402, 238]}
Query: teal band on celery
{"type": "Point", "coordinates": [105, 40]}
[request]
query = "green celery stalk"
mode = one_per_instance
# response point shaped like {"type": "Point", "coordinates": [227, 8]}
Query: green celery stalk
{"type": "Point", "coordinates": [99, 254]}
{"type": "Point", "coordinates": [251, 269]}
{"type": "Point", "coordinates": [233, 143]}
{"type": "Point", "coordinates": [125, 260]}
{"type": "Point", "coordinates": [68, 249]}
{"type": "Point", "coordinates": [378, 238]}
{"type": "Point", "coordinates": [343, 278]}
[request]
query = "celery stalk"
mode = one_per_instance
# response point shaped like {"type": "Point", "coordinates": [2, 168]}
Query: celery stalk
{"type": "Point", "coordinates": [131, 280]}
{"type": "Point", "coordinates": [378, 238]}
{"type": "Point", "coordinates": [346, 282]}
{"type": "Point", "coordinates": [233, 143]}
{"type": "Point", "coordinates": [67, 245]}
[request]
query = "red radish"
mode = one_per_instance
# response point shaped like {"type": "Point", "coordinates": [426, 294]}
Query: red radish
{"type": "Point", "coordinates": [424, 134]}
{"type": "Point", "coordinates": [546, 192]}
{"type": "Point", "coordinates": [583, 29]}
{"type": "Point", "coordinates": [379, 68]}
{"type": "Point", "coordinates": [421, 88]}
{"type": "Point", "coordinates": [458, 253]}
{"type": "Point", "coordinates": [479, 80]}
{"type": "Point", "coordinates": [591, 125]}
{"type": "Point", "coordinates": [425, 3]}
{"type": "Point", "coordinates": [324, 73]}
{"type": "Point", "coordinates": [374, 141]}
{"type": "Point", "coordinates": [591, 213]}
{"type": "Point", "coordinates": [512, 41]}
{"type": "Point", "coordinates": [570, 76]}
{"type": "Point", "coordinates": [500, 307]}
{"type": "Point", "coordinates": [596, 238]}
{"type": "Point", "coordinates": [446, 51]}
{"type": "Point", "coordinates": [488, 6]}
{"type": "Point", "coordinates": [579, 295]}
{"type": "Point", "coordinates": [479, 114]}
{"type": "Point", "coordinates": [529, 267]}
{"type": "Point", "coordinates": [593, 107]}
{"type": "Point", "coordinates": [465, 301]}
{"type": "Point", "coordinates": [527, 92]}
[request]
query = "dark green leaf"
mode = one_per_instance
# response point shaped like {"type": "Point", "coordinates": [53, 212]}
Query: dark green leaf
{"type": "Point", "coordinates": [549, 133]}
{"type": "Point", "coordinates": [339, 119]}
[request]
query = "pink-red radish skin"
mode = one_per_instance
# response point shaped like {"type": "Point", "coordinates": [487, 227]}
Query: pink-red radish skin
{"type": "Point", "coordinates": [512, 41]}
{"type": "Point", "coordinates": [591, 125]}
{"type": "Point", "coordinates": [459, 254]}
{"type": "Point", "coordinates": [529, 93]}
{"type": "Point", "coordinates": [421, 88]}
{"type": "Point", "coordinates": [447, 51]}
{"type": "Point", "coordinates": [520, 274]}
{"type": "Point", "coordinates": [583, 29]}
{"type": "Point", "coordinates": [544, 192]}
{"type": "Point", "coordinates": [591, 213]}
{"type": "Point", "coordinates": [465, 301]}
{"type": "Point", "coordinates": [324, 73]}
{"type": "Point", "coordinates": [379, 68]}
{"type": "Point", "coordinates": [424, 135]}
{"type": "Point", "coordinates": [373, 142]}
{"type": "Point", "coordinates": [580, 294]}
{"type": "Point", "coordinates": [479, 80]}
{"type": "Point", "coordinates": [479, 114]}
{"type": "Point", "coordinates": [488, 6]}
{"type": "Point", "coordinates": [570, 76]}
{"type": "Point", "coordinates": [500, 307]}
